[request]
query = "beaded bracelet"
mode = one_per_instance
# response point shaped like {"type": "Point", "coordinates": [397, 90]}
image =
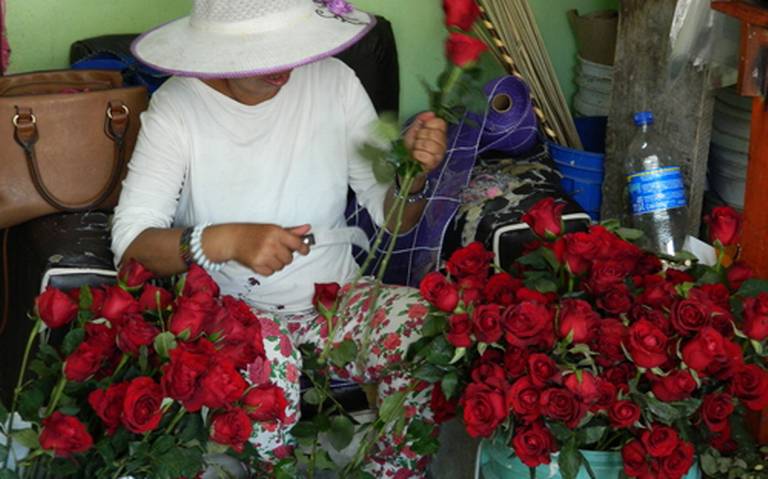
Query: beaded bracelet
{"type": "Point", "coordinates": [196, 248]}
{"type": "Point", "coordinates": [412, 197]}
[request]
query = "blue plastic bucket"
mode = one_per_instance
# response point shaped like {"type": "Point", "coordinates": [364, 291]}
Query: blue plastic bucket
{"type": "Point", "coordinates": [582, 176]}
{"type": "Point", "coordinates": [608, 465]}
{"type": "Point", "coordinates": [592, 130]}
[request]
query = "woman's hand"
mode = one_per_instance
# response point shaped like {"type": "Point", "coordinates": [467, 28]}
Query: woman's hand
{"type": "Point", "coordinates": [426, 140]}
{"type": "Point", "coordinates": [264, 248]}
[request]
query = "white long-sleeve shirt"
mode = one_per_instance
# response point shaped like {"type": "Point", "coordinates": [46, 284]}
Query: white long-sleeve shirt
{"type": "Point", "coordinates": [202, 157]}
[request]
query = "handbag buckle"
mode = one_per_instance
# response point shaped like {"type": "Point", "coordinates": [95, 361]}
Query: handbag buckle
{"type": "Point", "coordinates": [17, 117]}
{"type": "Point", "coordinates": [126, 111]}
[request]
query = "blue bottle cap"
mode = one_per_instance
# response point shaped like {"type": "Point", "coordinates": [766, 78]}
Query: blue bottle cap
{"type": "Point", "coordinates": [643, 118]}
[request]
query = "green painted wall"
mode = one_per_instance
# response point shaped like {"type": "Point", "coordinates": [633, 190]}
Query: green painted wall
{"type": "Point", "coordinates": [41, 31]}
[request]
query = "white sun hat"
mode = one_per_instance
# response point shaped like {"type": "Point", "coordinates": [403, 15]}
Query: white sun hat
{"type": "Point", "coordinates": [240, 38]}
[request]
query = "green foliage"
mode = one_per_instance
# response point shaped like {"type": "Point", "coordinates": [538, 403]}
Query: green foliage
{"type": "Point", "coordinates": [569, 459]}
{"type": "Point", "coordinates": [72, 340]}
{"type": "Point", "coordinates": [341, 433]}
{"type": "Point", "coordinates": [343, 353]}
{"type": "Point", "coordinates": [433, 325]}
{"type": "Point", "coordinates": [3, 414]}
{"type": "Point", "coordinates": [753, 287]}
{"type": "Point", "coordinates": [164, 343]}
{"type": "Point", "coordinates": [449, 384]}
{"type": "Point", "coordinates": [26, 437]}
{"type": "Point", "coordinates": [86, 297]}
{"type": "Point", "coordinates": [440, 351]}
{"type": "Point", "coordinates": [313, 396]}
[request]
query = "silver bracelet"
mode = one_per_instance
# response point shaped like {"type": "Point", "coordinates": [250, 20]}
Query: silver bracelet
{"type": "Point", "coordinates": [412, 197]}
{"type": "Point", "coordinates": [196, 248]}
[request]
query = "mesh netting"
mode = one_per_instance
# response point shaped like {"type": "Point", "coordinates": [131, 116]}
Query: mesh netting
{"type": "Point", "coordinates": [239, 10]}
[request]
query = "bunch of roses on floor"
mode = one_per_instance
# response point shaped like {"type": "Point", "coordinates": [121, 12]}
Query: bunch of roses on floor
{"type": "Point", "coordinates": [593, 344]}
{"type": "Point", "coordinates": [144, 381]}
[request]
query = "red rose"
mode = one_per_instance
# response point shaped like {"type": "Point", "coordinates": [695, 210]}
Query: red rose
{"type": "Point", "coordinates": [64, 435]}
{"type": "Point", "coordinates": [134, 332]}
{"type": "Point", "coordinates": [542, 369]}
{"type": "Point", "coordinates": [460, 13]}
{"type": "Point", "coordinates": [501, 289]}
{"type": "Point", "coordinates": [577, 318]}
{"type": "Point", "coordinates": [676, 386]}
{"type": "Point", "coordinates": [546, 218]}
{"type": "Point", "coordinates": [133, 274]}
{"type": "Point", "coordinates": [222, 384]}
{"type": "Point", "coordinates": [607, 340]}
{"type": "Point", "coordinates": [738, 273]}
{"type": "Point", "coordinates": [117, 303]}
{"type": "Point", "coordinates": [486, 320]}
{"type": "Point", "coordinates": [578, 251]}
{"type": "Point", "coordinates": [182, 375]}
{"type": "Point", "coordinates": [606, 396]}
{"type": "Point", "coordinates": [85, 361]}
{"type": "Point", "coordinates": [633, 456]}
{"type": "Point", "coordinates": [660, 440]}
{"type": "Point", "coordinates": [265, 403]}
{"type": "Point", "coordinates": [153, 298]}
{"type": "Point", "coordinates": [562, 405]}
{"type": "Point", "coordinates": [55, 308]}
{"type": "Point", "coordinates": [525, 294]}
{"type": "Point", "coordinates": [108, 405]}
{"type": "Point", "coordinates": [490, 374]}
{"type": "Point", "coordinates": [199, 281]}
{"type": "Point", "coordinates": [756, 317]}
{"type": "Point", "coordinates": [534, 444]}
{"type": "Point", "coordinates": [649, 263]}
{"type": "Point", "coordinates": [141, 406]}
{"type": "Point", "coordinates": [723, 441]}
{"type": "Point", "coordinates": [484, 409]}
{"type": "Point", "coordinates": [617, 300]}
{"type": "Point", "coordinates": [436, 289]}
{"type": "Point", "coordinates": [620, 375]}
{"type": "Point", "coordinates": [101, 336]}
{"type": "Point", "coordinates": [715, 411]}
{"type": "Point", "coordinates": [717, 294]}
{"type": "Point", "coordinates": [653, 316]}
{"type": "Point", "coordinates": [523, 399]}
{"type": "Point", "coordinates": [623, 414]}
{"type": "Point", "coordinates": [231, 428]}
{"type": "Point", "coordinates": [471, 289]}
{"type": "Point", "coordinates": [724, 225]}
{"type": "Point", "coordinates": [689, 317]}
{"type": "Point", "coordinates": [659, 294]}
{"type": "Point", "coordinates": [442, 408]}
{"type": "Point", "coordinates": [239, 331]}
{"type": "Point", "coordinates": [528, 324]}
{"type": "Point", "coordinates": [606, 275]}
{"type": "Point", "coordinates": [459, 330]}
{"type": "Point", "coordinates": [711, 354]}
{"type": "Point", "coordinates": [190, 315]}
{"type": "Point", "coordinates": [463, 50]}
{"type": "Point", "coordinates": [677, 464]}
{"type": "Point", "coordinates": [515, 361]}
{"type": "Point", "coordinates": [471, 260]}
{"type": "Point", "coordinates": [98, 295]}
{"type": "Point", "coordinates": [750, 385]}
{"type": "Point", "coordinates": [325, 296]}
{"type": "Point", "coordinates": [677, 277]}
{"type": "Point", "coordinates": [647, 344]}
{"type": "Point", "coordinates": [586, 387]}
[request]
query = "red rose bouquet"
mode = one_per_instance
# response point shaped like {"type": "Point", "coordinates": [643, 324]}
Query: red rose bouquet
{"type": "Point", "coordinates": [592, 343]}
{"type": "Point", "coordinates": [141, 381]}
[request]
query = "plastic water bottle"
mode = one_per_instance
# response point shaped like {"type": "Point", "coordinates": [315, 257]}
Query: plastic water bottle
{"type": "Point", "coordinates": [656, 190]}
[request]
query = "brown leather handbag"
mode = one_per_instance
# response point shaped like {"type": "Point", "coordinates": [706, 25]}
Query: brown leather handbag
{"type": "Point", "coordinates": [65, 139]}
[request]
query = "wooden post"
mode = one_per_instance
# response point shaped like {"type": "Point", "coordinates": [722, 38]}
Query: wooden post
{"type": "Point", "coordinates": [683, 108]}
{"type": "Point", "coordinates": [753, 80]}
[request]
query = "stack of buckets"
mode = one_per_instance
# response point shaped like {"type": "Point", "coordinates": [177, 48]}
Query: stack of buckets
{"type": "Point", "coordinates": [583, 171]}
{"type": "Point", "coordinates": [729, 149]}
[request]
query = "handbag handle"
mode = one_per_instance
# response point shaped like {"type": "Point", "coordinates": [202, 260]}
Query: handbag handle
{"type": "Point", "coordinates": [116, 123]}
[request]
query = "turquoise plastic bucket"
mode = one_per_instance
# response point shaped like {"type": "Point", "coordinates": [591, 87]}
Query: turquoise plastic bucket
{"type": "Point", "coordinates": [500, 463]}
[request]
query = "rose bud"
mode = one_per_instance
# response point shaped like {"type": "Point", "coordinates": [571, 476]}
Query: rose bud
{"type": "Point", "coordinates": [266, 403]}
{"type": "Point", "coordinates": [133, 275]}
{"type": "Point", "coordinates": [463, 50]}
{"type": "Point", "coordinates": [546, 218]}
{"type": "Point", "coordinates": [55, 308]}
{"type": "Point", "coordinates": [436, 289]}
{"type": "Point", "coordinates": [325, 297]}
{"type": "Point", "coordinates": [460, 13]}
{"type": "Point", "coordinates": [232, 428]}
{"type": "Point", "coordinates": [756, 317]}
{"type": "Point", "coordinates": [472, 260]}
{"type": "Point", "coordinates": [64, 435]}
{"type": "Point", "coordinates": [724, 225]}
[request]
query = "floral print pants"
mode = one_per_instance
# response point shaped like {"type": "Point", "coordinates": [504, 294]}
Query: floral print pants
{"type": "Point", "coordinates": [395, 324]}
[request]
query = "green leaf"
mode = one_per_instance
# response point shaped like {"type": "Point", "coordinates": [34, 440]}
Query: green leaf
{"type": "Point", "coordinates": [324, 462]}
{"type": "Point", "coordinates": [629, 234]}
{"type": "Point", "coordinates": [304, 429]}
{"type": "Point", "coordinates": [344, 353]}
{"type": "Point", "coordinates": [86, 297]}
{"type": "Point", "coordinates": [391, 406]}
{"type": "Point", "coordinates": [545, 286]}
{"type": "Point", "coordinates": [383, 170]}
{"type": "Point", "coordinates": [31, 400]}
{"type": "Point", "coordinates": [536, 260]}
{"type": "Point", "coordinates": [322, 422]}
{"type": "Point", "coordinates": [3, 413]}
{"type": "Point", "coordinates": [72, 340]}
{"type": "Point", "coordinates": [27, 438]}
{"type": "Point", "coordinates": [429, 373]}
{"type": "Point", "coordinates": [560, 431]}
{"type": "Point", "coordinates": [569, 460]}
{"type": "Point", "coordinates": [162, 445]}
{"type": "Point", "coordinates": [664, 412]}
{"type": "Point", "coordinates": [434, 324]}
{"type": "Point", "coordinates": [440, 351]}
{"type": "Point", "coordinates": [143, 358]}
{"type": "Point", "coordinates": [591, 435]}
{"type": "Point", "coordinates": [458, 355]}
{"type": "Point", "coordinates": [341, 433]}
{"type": "Point", "coordinates": [8, 474]}
{"type": "Point", "coordinates": [449, 383]}
{"type": "Point", "coordinates": [164, 343]}
{"type": "Point", "coordinates": [313, 396]}
{"type": "Point", "coordinates": [753, 287]}
{"type": "Point", "coordinates": [710, 277]}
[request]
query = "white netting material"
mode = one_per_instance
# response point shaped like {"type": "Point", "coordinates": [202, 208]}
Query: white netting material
{"type": "Point", "coordinates": [240, 10]}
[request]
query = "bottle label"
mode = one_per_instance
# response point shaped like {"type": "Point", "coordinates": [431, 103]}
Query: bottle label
{"type": "Point", "coordinates": [656, 190]}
